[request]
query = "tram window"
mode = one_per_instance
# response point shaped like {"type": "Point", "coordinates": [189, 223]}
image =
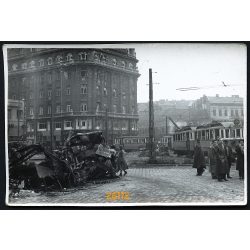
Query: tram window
{"type": "Point", "coordinates": [234, 133]}
{"type": "Point", "coordinates": [237, 132]}
{"type": "Point", "coordinates": [207, 134]}
{"type": "Point", "coordinates": [217, 133]}
{"type": "Point", "coordinates": [191, 136]}
{"type": "Point", "coordinates": [227, 133]}
{"type": "Point", "coordinates": [203, 135]}
{"type": "Point", "coordinates": [135, 140]}
{"type": "Point", "coordinates": [195, 135]}
{"type": "Point", "coordinates": [199, 134]}
{"type": "Point", "coordinates": [222, 133]}
{"type": "Point", "coordinates": [211, 134]}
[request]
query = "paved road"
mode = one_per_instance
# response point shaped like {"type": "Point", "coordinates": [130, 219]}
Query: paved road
{"type": "Point", "coordinates": [170, 185]}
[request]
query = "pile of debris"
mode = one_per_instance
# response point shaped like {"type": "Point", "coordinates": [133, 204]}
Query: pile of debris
{"type": "Point", "coordinates": [84, 157]}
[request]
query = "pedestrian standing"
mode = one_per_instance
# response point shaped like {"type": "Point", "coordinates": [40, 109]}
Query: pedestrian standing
{"type": "Point", "coordinates": [121, 162]}
{"type": "Point", "coordinates": [221, 161]}
{"type": "Point", "coordinates": [229, 155]}
{"type": "Point", "coordinates": [199, 159]}
{"type": "Point", "coordinates": [212, 159]}
{"type": "Point", "coordinates": [240, 159]}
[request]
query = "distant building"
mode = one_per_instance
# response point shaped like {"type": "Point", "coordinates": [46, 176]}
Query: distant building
{"type": "Point", "coordinates": [75, 89]}
{"type": "Point", "coordinates": [220, 108]}
{"type": "Point", "coordinates": [15, 117]}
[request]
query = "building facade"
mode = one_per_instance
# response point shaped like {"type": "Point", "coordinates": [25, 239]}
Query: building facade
{"type": "Point", "coordinates": [221, 108]}
{"type": "Point", "coordinates": [75, 89]}
{"type": "Point", "coordinates": [16, 121]}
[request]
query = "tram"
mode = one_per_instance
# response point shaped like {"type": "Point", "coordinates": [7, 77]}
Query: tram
{"type": "Point", "coordinates": [184, 138]}
{"type": "Point", "coordinates": [132, 143]}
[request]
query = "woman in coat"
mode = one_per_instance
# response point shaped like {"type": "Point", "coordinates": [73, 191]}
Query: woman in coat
{"type": "Point", "coordinates": [121, 162]}
{"type": "Point", "coordinates": [221, 161]}
{"type": "Point", "coordinates": [212, 160]}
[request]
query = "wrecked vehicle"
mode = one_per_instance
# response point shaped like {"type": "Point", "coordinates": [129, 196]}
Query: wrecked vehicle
{"type": "Point", "coordinates": [84, 157]}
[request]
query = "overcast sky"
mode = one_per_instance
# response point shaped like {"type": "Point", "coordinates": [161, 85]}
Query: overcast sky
{"type": "Point", "coordinates": [191, 65]}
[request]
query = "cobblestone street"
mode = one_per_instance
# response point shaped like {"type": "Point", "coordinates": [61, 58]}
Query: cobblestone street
{"type": "Point", "coordinates": [163, 184]}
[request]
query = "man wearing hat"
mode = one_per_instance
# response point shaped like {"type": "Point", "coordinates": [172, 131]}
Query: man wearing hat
{"type": "Point", "coordinates": [199, 159]}
{"type": "Point", "coordinates": [212, 159]}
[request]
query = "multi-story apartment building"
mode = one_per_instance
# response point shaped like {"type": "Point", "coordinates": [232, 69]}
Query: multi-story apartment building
{"type": "Point", "coordinates": [75, 89]}
{"type": "Point", "coordinates": [221, 108]}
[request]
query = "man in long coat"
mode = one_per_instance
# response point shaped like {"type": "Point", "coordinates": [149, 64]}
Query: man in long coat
{"type": "Point", "coordinates": [212, 159]}
{"type": "Point", "coordinates": [240, 159]}
{"type": "Point", "coordinates": [199, 159]}
{"type": "Point", "coordinates": [229, 155]}
{"type": "Point", "coordinates": [221, 161]}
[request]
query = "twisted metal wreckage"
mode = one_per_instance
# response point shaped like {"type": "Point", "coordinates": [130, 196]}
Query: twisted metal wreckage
{"type": "Point", "coordinates": [83, 158]}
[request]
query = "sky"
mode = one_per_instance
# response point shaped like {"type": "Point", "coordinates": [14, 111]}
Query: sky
{"type": "Point", "coordinates": [191, 65]}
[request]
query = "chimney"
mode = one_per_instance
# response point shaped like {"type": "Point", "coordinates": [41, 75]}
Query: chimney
{"type": "Point", "coordinates": [217, 95]}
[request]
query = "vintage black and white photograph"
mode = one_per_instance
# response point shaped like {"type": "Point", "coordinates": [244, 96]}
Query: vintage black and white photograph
{"type": "Point", "coordinates": [126, 124]}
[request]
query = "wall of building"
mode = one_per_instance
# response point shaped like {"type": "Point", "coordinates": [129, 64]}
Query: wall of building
{"type": "Point", "coordinates": [76, 86]}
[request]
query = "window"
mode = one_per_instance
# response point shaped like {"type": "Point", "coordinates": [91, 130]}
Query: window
{"type": "Point", "coordinates": [83, 55]}
{"type": "Point", "coordinates": [83, 74]}
{"type": "Point", "coordinates": [114, 108]}
{"type": "Point", "coordinates": [41, 62]}
{"type": "Point", "coordinates": [31, 111]}
{"type": "Point", "coordinates": [242, 112]}
{"type": "Point", "coordinates": [69, 57]}
{"type": "Point", "coordinates": [84, 107]}
{"type": "Point", "coordinates": [114, 61]}
{"type": "Point", "coordinates": [232, 112]}
{"type": "Point", "coordinates": [31, 95]}
{"type": "Point", "coordinates": [225, 112]}
{"type": "Point", "coordinates": [58, 75]}
{"type": "Point", "coordinates": [214, 112]}
{"type": "Point", "coordinates": [227, 133]}
{"type": "Point", "coordinates": [49, 110]}
{"type": "Point", "coordinates": [98, 107]}
{"type": "Point", "coordinates": [68, 124]}
{"type": "Point", "coordinates": [124, 95]}
{"type": "Point", "coordinates": [222, 133]}
{"type": "Point", "coordinates": [237, 132]}
{"type": "Point", "coordinates": [14, 97]}
{"type": "Point", "coordinates": [41, 94]}
{"type": "Point", "coordinates": [59, 59]}
{"type": "Point", "coordinates": [68, 108]}
{"type": "Point", "coordinates": [24, 66]}
{"type": "Point", "coordinates": [58, 92]}
{"type": "Point", "coordinates": [40, 110]}
{"type": "Point", "coordinates": [49, 77]}
{"type": "Point", "coordinates": [68, 91]}
{"type": "Point", "coordinates": [83, 89]}
{"type": "Point", "coordinates": [236, 112]}
{"type": "Point", "coordinates": [114, 93]}
{"type": "Point", "coordinates": [32, 64]}
{"type": "Point", "coordinates": [124, 110]}
{"type": "Point", "coordinates": [50, 61]}
{"type": "Point", "coordinates": [42, 125]}
{"type": "Point", "coordinates": [58, 125]}
{"type": "Point", "coordinates": [105, 92]}
{"type": "Point", "coordinates": [220, 112]}
{"type": "Point", "coordinates": [82, 123]}
{"type": "Point", "coordinates": [123, 64]}
{"type": "Point", "coordinates": [14, 67]}
{"type": "Point", "coordinates": [97, 90]}
{"type": "Point", "coordinates": [133, 110]}
{"type": "Point", "coordinates": [9, 113]}
{"type": "Point", "coordinates": [58, 109]}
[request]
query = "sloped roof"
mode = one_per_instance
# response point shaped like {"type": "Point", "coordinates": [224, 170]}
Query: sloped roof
{"type": "Point", "coordinates": [227, 99]}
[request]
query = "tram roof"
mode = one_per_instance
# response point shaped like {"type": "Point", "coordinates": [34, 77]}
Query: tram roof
{"type": "Point", "coordinates": [217, 124]}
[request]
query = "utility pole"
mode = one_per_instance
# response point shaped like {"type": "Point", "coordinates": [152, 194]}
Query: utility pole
{"type": "Point", "coordinates": [106, 124]}
{"type": "Point", "coordinates": [152, 157]}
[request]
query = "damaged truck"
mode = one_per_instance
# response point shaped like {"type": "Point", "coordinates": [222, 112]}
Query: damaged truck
{"type": "Point", "coordinates": [84, 157]}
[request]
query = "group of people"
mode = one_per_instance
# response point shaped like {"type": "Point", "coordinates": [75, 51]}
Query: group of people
{"type": "Point", "coordinates": [221, 156]}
